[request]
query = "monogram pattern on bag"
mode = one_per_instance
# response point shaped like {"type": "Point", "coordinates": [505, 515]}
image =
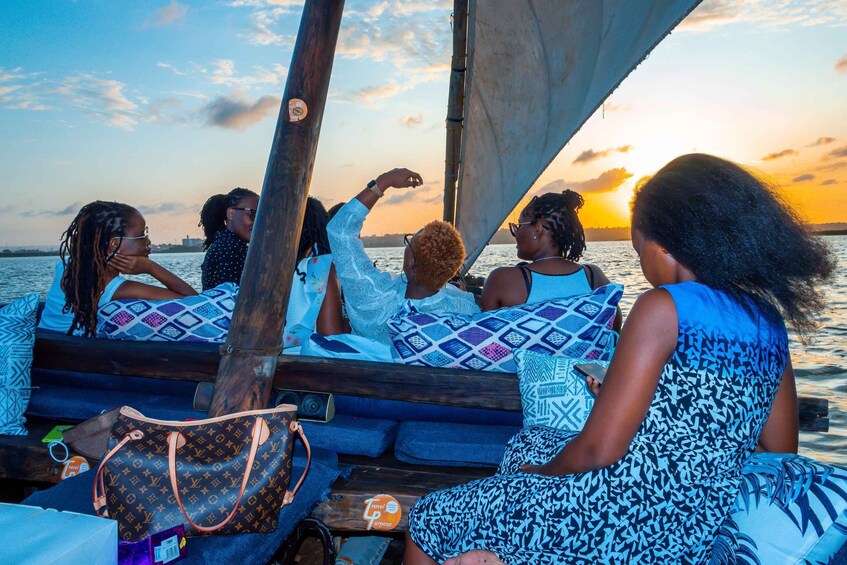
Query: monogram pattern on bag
{"type": "Point", "coordinates": [210, 467]}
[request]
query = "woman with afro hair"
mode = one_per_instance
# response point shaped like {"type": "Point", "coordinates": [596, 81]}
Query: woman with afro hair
{"type": "Point", "coordinates": [433, 256]}
{"type": "Point", "coordinates": [701, 378]}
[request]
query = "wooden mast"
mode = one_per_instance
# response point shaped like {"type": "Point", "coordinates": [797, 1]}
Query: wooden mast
{"type": "Point", "coordinates": [455, 108]}
{"type": "Point", "coordinates": [249, 357]}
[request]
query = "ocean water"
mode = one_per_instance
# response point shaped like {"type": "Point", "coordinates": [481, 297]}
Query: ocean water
{"type": "Point", "coordinates": [820, 366]}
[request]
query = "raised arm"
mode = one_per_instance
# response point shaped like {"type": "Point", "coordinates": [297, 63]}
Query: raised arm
{"type": "Point", "coordinates": [362, 283]}
{"type": "Point", "coordinates": [647, 341]}
{"type": "Point", "coordinates": [395, 178]}
{"type": "Point", "coordinates": [175, 287]}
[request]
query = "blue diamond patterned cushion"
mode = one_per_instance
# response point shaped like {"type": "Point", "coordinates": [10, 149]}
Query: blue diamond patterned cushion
{"type": "Point", "coordinates": [17, 337]}
{"type": "Point", "coordinates": [553, 393]}
{"type": "Point", "coordinates": [204, 317]}
{"type": "Point", "coordinates": [572, 327]}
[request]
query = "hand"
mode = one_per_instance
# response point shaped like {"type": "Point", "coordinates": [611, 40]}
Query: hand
{"type": "Point", "coordinates": [398, 178]}
{"type": "Point", "coordinates": [459, 283]}
{"type": "Point", "coordinates": [130, 264]}
{"type": "Point", "coordinates": [593, 385]}
{"type": "Point", "coordinates": [546, 469]}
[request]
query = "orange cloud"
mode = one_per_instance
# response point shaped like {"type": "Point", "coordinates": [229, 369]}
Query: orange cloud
{"type": "Point", "coordinates": [590, 155]}
{"type": "Point", "coordinates": [779, 154]}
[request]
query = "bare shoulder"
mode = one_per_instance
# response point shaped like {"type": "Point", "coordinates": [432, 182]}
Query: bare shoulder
{"type": "Point", "coordinates": [503, 274]}
{"type": "Point", "coordinates": [654, 311]}
{"type": "Point", "coordinates": [600, 278]}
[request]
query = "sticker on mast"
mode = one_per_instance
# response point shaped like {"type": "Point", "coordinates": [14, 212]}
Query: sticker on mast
{"type": "Point", "coordinates": [297, 110]}
{"type": "Point", "coordinates": [382, 512]}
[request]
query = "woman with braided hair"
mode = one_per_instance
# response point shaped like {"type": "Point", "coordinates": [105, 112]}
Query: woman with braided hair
{"type": "Point", "coordinates": [104, 241]}
{"type": "Point", "coordinates": [550, 240]}
{"type": "Point", "coordinates": [227, 222]}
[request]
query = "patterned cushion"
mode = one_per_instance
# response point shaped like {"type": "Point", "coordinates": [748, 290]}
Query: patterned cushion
{"type": "Point", "coordinates": [570, 327]}
{"type": "Point", "coordinates": [790, 509]}
{"type": "Point", "coordinates": [553, 393]}
{"type": "Point", "coordinates": [204, 317]}
{"type": "Point", "coordinates": [17, 337]}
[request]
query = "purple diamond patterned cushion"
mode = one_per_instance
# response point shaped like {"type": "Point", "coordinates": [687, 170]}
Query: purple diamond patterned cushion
{"type": "Point", "coordinates": [569, 327]}
{"type": "Point", "coordinates": [204, 317]}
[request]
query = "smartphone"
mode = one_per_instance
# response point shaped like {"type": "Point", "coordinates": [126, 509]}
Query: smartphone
{"type": "Point", "coordinates": [594, 370]}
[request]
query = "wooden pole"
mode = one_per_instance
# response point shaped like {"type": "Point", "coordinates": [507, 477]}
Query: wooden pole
{"type": "Point", "coordinates": [455, 108]}
{"type": "Point", "coordinates": [249, 357]}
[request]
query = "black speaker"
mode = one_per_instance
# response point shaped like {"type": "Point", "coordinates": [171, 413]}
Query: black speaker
{"type": "Point", "coordinates": [312, 406]}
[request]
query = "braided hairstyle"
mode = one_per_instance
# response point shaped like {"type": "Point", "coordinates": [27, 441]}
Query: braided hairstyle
{"type": "Point", "coordinates": [213, 214]}
{"type": "Point", "coordinates": [313, 235]}
{"type": "Point", "coordinates": [558, 213]}
{"type": "Point", "coordinates": [85, 254]}
{"type": "Point", "coordinates": [736, 235]}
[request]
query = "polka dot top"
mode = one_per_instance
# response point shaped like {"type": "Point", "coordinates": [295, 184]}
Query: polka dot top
{"type": "Point", "coordinates": [224, 260]}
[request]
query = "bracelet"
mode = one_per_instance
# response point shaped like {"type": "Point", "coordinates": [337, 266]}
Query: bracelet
{"type": "Point", "coordinates": [374, 188]}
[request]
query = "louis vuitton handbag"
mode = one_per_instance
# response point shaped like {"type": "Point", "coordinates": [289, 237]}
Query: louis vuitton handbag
{"type": "Point", "coordinates": [221, 475]}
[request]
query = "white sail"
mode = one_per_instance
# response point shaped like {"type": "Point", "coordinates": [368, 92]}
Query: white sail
{"type": "Point", "coordinates": [537, 69]}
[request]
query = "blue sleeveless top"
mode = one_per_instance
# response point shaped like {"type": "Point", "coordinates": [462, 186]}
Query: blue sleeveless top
{"type": "Point", "coordinates": [53, 318]}
{"type": "Point", "coordinates": [667, 498]}
{"type": "Point", "coordinates": [541, 287]}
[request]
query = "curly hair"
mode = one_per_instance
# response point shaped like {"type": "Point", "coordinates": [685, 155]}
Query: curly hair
{"type": "Point", "coordinates": [213, 214]}
{"type": "Point", "coordinates": [84, 250]}
{"type": "Point", "coordinates": [439, 253]}
{"type": "Point", "coordinates": [558, 213]}
{"type": "Point", "coordinates": [736, 235]}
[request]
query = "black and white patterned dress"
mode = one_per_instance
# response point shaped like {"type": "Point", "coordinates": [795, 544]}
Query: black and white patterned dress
{"type": "Point", "coordinates": [665, 501]}
{"type": "Point", "coordinates": [224, 260]}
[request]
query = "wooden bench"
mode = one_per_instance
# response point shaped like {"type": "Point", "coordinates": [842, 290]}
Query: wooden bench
{"type": "Point", "coordinates": [27, 458]}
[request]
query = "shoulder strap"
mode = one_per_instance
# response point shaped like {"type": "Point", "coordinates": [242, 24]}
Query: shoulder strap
{"type": "Point", "coordinates": [590, 274]}
{"type": "Point", "coordinates": [526, 279]}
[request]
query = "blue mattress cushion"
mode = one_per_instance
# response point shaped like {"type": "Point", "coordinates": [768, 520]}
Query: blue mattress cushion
{"type": "Point", "coordinates": [74, 495]}
{"type": "Point", "coordinates": [201, 318]}
{"type": "Point", "coordinates": [70, 396]}
{"type": "Point", "coordinates": [790, 509]}
{"type": "Point", "coordinates": [580, 326]}
{"type": "Point", "coordinates": [73, 397]}
{"type": "Point", "coordinates": [460, 445]}
{"type": "Point", "coordinates": [401, 411]}
{"type": "Point", "coordinates": [17, 337]}
{"type": "Point", "coordinates": [553, 393]}
{"type": "Point", "coordinates": [352, 435]}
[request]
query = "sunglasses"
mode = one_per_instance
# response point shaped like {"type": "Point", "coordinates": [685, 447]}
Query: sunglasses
{"type": "Point", "coordinates": [407, 239]}
{"type": "Point", "coordinates": [250, 211]}
{"type": "Point", "coordinates": [145, 235]}
{"type": "Point", "coordinates": [513, 227]}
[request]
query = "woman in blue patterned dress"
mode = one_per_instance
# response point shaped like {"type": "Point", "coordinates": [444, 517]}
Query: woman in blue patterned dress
{"type": "Point", "coordinates": [701, 378]}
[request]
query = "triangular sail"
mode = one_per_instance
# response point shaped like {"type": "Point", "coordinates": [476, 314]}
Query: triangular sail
{"type": "Point", "coordinates": [537, 70]}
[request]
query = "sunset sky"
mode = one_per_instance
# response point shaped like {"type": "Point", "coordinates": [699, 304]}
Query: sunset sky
{"type": "Point", "coordinates": [162, 104]}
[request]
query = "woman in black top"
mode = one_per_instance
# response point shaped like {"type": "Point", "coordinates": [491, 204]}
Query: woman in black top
{"type": "Point", "coordinates": [227, 222]}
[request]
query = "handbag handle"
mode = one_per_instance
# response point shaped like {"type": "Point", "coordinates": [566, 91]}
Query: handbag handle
{"type": "Point", "coordinates": [290, 494]}
{"type": "Point", "coordinates": [173, 439]}
{"type": "Point", "coordinates": [99, 499]}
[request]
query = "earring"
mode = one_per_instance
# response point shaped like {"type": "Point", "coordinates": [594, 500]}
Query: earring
{"type": "Point", "coordinates": [534, 236]}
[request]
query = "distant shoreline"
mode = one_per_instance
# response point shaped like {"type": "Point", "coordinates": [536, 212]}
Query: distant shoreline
{"type": "Point", "coordinates": [389, 240]}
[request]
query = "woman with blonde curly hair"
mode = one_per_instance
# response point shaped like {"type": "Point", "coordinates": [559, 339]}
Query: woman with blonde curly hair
{"type": "Point", "coordinates": [433, 256]}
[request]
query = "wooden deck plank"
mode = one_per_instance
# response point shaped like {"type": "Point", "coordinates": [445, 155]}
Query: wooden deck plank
{"type": "Point", "coordinates": [344, 509]}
